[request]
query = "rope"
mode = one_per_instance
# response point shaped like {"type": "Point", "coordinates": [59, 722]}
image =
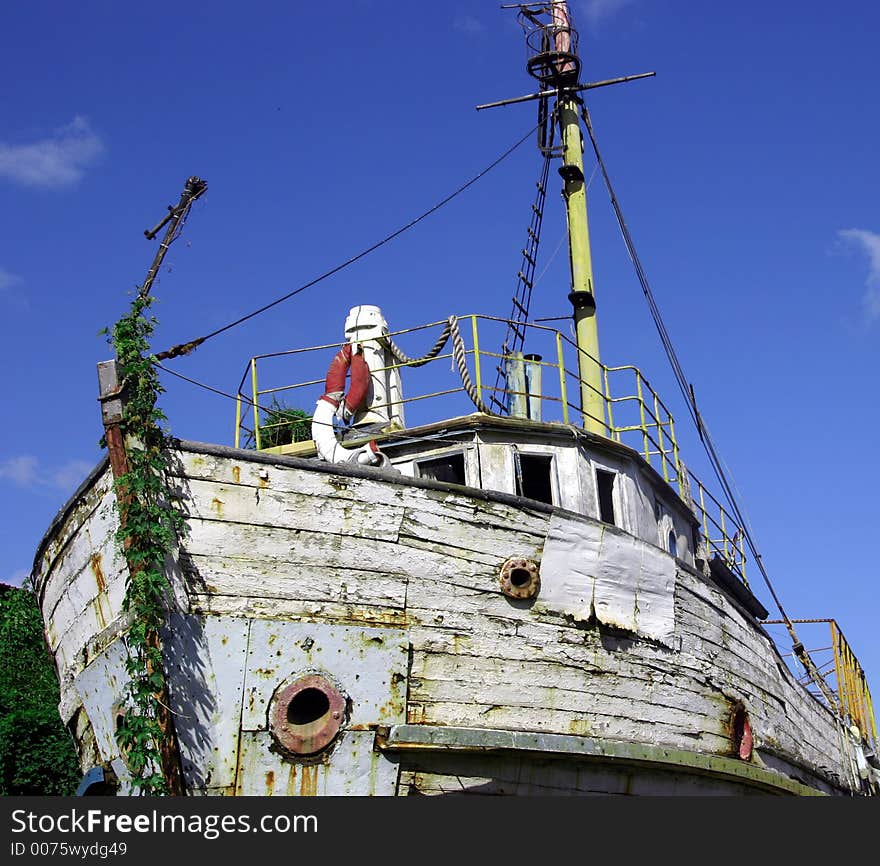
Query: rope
{"type": "Point", "coordinates": [402, 358]}
{"type": "Point", "coordinates": [460, 356]}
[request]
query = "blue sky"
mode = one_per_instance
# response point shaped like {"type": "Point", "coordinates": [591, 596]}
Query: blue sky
{"type": "Point", "coordinates": [747, 170]}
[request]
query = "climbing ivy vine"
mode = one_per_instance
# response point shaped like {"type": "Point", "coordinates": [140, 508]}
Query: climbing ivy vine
{"type": "Point", "coordinates": [150, 524]}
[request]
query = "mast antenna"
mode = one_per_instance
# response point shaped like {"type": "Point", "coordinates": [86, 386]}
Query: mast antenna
{"type": "Point", "coordinates": [553, 60]}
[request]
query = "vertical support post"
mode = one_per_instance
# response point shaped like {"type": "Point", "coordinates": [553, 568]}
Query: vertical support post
{"type": "Point", "coordinates": [608, 402]}
{"type": "Point", "coordinates": [254, 396]}
{"type": "Point", "coordinates": [724, 534]}
{"type": "Point", "coordinates": [661, 446]}
{"type": "Point", "coordinates": [563, 389]}
{"type": "Point", "coordinates": [675, 453]}
{"type": "Point", "coordinates": [238, 420]}
{"type": "Point", "coordinates": [110, 397]}
{"type": "Point", "coordinates": [477, 374]}
{"type": "Point", "coordinates": [838, 671]}
{"type": "Point", "coordinates": [705, 518]}
{"type": "Point", "coordinates": [741, 543]}
{"type": "Point", "coordinates": [646, 444]}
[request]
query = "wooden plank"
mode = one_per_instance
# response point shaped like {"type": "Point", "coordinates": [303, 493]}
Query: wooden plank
{"type": "Point", "coordinates": [287, 479]}
{"type": "Point", "coordinates": [84, 534]}
{"type": "Point", "coordinates": [613, 725]}
{"type": "Point", "coordinates": [497, 543]}
{"type": "Point", "coordinates": [248, 577]}
{"type": "Point", "coordinates": [100, 494]}
{"type": "Point", "coordinates": [292, 510]}
{"type": "Point", "coordinates": [262, 608]}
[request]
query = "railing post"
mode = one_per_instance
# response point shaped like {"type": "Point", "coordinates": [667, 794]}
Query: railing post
{"type": "Point", "coordinates": [724, 534]}
{"type": "Point", "coordinates": [563, 389]}
{"type": "Point", "coordinates": [238, 420]}
{"type": "Point", "coordinates": [645, 441]}
{"type": "Point", "coordinates": [256, 408]}
{"type": "Point", "coordinates": [477, 376]}
{"type": "Point", "coordinates": [705, 518]}
{"type": "Point", "coordinates": [607, 397]}
{"type": "Point", "coordinates": [660, 444]}
{"type": "Point", "coordinates": [675, 452]}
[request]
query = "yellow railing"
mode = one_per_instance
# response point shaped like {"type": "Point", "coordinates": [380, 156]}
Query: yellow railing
{"type": "Point", "coordinates": [842, 672]}
{"type": "Point", "coordinates": [634, 413]}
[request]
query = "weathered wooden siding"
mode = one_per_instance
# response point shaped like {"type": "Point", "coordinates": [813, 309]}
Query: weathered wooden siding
{"type": "Point", "coordinates": [288, 543]}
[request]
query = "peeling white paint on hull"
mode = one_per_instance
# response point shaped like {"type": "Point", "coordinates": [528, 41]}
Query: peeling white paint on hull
{"type": "Point", "coordinates": [387, 589]}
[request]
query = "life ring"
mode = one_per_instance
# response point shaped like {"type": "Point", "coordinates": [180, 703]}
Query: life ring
{"type": "Point", "coordinates": [347, 358]}
{"type": "Point", "coordinates": [335, 403]}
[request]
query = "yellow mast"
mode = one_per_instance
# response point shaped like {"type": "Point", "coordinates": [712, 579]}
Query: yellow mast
{"type": "Point", "coordinates": [582, 295]}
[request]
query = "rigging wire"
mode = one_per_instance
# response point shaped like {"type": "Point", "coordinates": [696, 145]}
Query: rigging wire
{"type": "Point", "coordinates": [186, 348]}
{"type": "Point", "coordinates": [690, 401]}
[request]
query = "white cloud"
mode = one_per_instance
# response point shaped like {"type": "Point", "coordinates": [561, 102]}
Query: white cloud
{"type": "Point", "coordinates": [17, 578]}
{"type": "Point", "coordinates": [27, 471]}
{"type": "Point", "coordinates": [20, 470]}
{"type": "Point", "coordinates": [468, 24]}
{"type": "Point", "coordinates": [10, 292]}
{"type": "Point", "coordinates": [53, 162]}
{"type": "Point", "coordinates": [597, 11]}
{"type": "Point", "coordinates": [869, 243]}
{"type": "Point", "coordinates": [70, 475]}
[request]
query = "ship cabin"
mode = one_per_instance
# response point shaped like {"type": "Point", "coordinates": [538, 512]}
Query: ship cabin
{"type": "Point", "coordinates": [531, 433]}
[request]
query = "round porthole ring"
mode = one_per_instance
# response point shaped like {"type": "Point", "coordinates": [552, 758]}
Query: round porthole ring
{"type": "Point", "coordinates": [306, 715]}
{"type": "Point", "coordinates": [520, 578]}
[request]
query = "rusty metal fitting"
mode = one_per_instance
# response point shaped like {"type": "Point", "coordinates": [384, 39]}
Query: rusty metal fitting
{"type": "Point", "coordinates": [305, 716]}
{"type": "Point", "coordinates": [520, 578]}
{"type": "Point", "coordinates": [741, 734]}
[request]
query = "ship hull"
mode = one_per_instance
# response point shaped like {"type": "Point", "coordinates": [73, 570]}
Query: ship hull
{"type": "Point", "coordinates": [629, 672]}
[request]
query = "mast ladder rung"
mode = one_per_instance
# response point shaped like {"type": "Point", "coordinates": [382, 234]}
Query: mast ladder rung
{"type": "Point", "coordinates": [524, 279]}
{"type": "Point", "coordinates": [520, 307]}
{"type": "Point", "coordinates": [528, 258]}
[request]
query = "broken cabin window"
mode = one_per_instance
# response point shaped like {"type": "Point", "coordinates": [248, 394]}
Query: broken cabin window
{"type": "Point", "coordinates": [605, 490]}
{"type": "Point", "coordinates": [449, 467]}
{"type": "Point", "coordinates": [533, 476]}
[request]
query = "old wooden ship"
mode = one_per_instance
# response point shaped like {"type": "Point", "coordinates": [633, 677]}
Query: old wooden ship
{"type": "Point", "coordinates": [523, 591]}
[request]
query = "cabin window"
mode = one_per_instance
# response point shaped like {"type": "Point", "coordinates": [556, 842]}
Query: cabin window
{"type": "Point", "coordinates": [533, 476]}
{"type": "Point", "coordinates": [672, 543]}
{"type": "Point", "coordinates": [605, 491]}
{"type": "Point", "coordinates": [449, 467]}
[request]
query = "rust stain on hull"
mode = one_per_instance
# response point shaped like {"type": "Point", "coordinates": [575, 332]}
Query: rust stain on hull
{"type": "Point", "coordinates": [98, 571]}
{"type": "Point", "coordinates": [270, 783]}
{"type": "Point", "coordinates": [309, 785]}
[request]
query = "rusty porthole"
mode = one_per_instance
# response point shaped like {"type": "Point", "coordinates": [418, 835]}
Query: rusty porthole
{"type": "Point", "coordinates": [306, 715]}
{"type": "Point", "coordinates": [741, 733]}
{"type": "Point", "coordinates": [520, 578]}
